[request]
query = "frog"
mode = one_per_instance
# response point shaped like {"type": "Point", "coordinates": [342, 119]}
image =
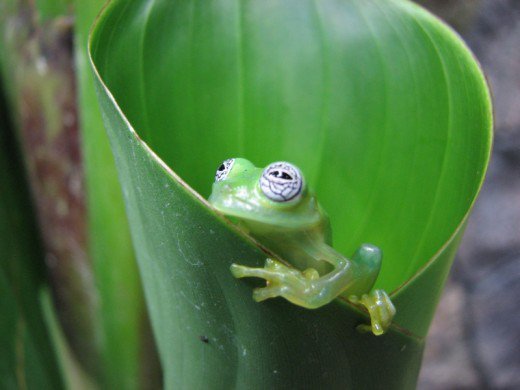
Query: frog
{"type": "Point", "coordinates": [277, 209]}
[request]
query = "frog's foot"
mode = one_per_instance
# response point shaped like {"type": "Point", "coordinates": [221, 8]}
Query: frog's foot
{"type": "Point", "coordinates": [301, 288]}
{"type": "Point", "coordinates": [380, 308]}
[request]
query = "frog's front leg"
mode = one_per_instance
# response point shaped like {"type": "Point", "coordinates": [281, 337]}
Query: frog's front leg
{"type": "Point", "coordinates": [309, 290]}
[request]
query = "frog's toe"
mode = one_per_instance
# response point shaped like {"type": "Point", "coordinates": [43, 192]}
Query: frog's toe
{"type": "Point", "coordinates": [364, 328]}
{"type": "Point", "coordinates": [261, 294]}
{"type": "Point", "coordinates": [278, 267]}
{"type": "Point", "coordinates": [241, 271]}
{"type": "Point", "coordinates": [311, 274]}
{"type": "Point", "coordinates": [383, 313]}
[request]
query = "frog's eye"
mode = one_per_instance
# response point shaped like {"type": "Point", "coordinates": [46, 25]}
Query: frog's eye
{"type": "Point", "coordinates": [224, 169]}
{"type": "Point", "coordinates": [281, 181]}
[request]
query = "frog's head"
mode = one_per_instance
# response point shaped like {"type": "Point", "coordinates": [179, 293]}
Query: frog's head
{"type": "Point", "coordinates": [274, 196]}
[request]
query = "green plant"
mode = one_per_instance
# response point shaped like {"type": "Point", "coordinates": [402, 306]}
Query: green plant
{"type": "Point", "coordinates": [26, 354]}
{"type": "Point", "coordinates": [380, 104]}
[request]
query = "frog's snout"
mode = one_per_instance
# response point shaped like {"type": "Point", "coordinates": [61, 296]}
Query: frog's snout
{"type": "Point", "coordinates": [226, 188]}
{"type": "Point", "coordinates": [223, 197]}
{"type": "Point", "coordinates": [219, 191]}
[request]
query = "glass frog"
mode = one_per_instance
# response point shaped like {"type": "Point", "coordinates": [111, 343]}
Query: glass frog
{"type": "Point", "coordinates": [277, 209]}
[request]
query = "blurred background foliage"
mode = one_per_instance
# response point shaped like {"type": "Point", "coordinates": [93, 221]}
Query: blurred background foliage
{"type": "Point", "coordinates": [86, 246]}
{"type": "Point", "coordinates": [475, 337]}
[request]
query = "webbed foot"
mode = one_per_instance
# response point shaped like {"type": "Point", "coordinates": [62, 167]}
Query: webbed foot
{"type": "Point", "coordinates": [380, 308]}
{"type": "Point", "coordinates": [301, 288]}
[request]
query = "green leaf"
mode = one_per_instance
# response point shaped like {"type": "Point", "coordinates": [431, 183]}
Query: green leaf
{"type": "Point", "coordinates": [27, 358]}
{"type": "Point", "coordinates": [380, 104]}
{"type": "Point", "coordinates": [128, 354]}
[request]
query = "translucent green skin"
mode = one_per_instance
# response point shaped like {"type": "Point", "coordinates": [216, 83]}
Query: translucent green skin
{"type": "Point", "coordinates": [298, 231]}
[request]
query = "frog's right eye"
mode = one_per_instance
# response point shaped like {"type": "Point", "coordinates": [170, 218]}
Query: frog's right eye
{"type": "Point", "coordinates": [281, 182]}
{"type": "Point", "coordinates": [224, 169]}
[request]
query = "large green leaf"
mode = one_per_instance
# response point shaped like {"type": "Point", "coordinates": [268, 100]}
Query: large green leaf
{"type": "Point", "coordinates": [128, 354]}
{"type": "Point", "coordinates": [382, 106]}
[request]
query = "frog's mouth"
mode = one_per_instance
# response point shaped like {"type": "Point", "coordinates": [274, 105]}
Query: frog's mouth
{"type": "Point", "coordinates": [248, 213]}
{"type": "Point", "coordinates": [232, 205]}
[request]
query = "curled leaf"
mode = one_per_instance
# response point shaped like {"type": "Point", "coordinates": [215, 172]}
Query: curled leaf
{"type": "Point", "coordinates": [379, 103]}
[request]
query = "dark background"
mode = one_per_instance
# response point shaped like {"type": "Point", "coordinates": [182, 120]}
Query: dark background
{"type": "Point", "coordinates": [474, 342]}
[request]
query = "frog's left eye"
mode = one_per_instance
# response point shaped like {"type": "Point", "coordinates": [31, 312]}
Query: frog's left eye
{"type": "Point", "coordinates": [281, 181]}
{"type": "Point", "coordinates": [224, 169]}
